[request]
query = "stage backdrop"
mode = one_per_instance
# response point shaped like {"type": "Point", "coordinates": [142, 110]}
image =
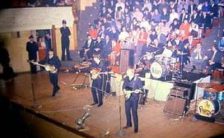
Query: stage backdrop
{"type": "Point", "coordinates": [25, 19]}
{"type": "Point", "coordinates": [16, 25]}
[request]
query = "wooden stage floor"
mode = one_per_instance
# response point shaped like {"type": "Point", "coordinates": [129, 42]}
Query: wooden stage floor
{"type": "Point", "coordinates": [69, 104]}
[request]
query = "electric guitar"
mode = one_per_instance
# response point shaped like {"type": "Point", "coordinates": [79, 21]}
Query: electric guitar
{"type": "Point", "coordinates": [47, 67]}
{"type": "Point", "coordinates": [127, 93]}
{"type": "Point", "coordinates": [95, 73]}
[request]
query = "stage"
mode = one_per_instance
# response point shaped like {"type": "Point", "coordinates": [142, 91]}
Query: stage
{"type": "Point", "coordinates": [33, 92]}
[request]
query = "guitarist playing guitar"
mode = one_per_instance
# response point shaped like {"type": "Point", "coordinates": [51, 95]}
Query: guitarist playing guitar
{"type": "Point", "coordinates": [98, 79]}
{"type": "Point", "coordinates": [132, 87]}
{"type": "Point", "coordinates": [52, 65]}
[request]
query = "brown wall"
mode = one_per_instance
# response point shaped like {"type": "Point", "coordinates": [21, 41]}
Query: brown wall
{"type": "Point", "coordinates": [17, 47]}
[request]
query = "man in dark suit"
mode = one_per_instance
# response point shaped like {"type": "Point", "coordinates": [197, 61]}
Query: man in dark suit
{"type": "Point", "coordinates": [97, 67]}
{"type": "Point", "coordinates": [65, 33]}
{"type": "Point", "coordinates": [131, 87]}
{"type": "Point", "coordinates": [86, 52]}
{"type": "Point", "coordinates": [216, 59]}
{"type": "Point", "coordinates": [191, 7]}
{"type": "Point", "coordinates": [32, 49]}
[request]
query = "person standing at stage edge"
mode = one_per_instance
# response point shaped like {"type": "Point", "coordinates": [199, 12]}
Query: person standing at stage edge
{"type": "Point", "coordinates": [132, 87]}
{"type": "Point", "coordinates": [65, 33]}
{"type": "Point", "coordinates": [97, 67]}
{"type": "Point", "coordinates": [53, 69]}
{"type": "Point", "coordinates": [32, 49]}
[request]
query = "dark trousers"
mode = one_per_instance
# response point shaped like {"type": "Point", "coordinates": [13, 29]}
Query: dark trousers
{"type": "Point", "coordinates": [131, 105]}
{"type": "Point", "coordinates": [97, 91]}
{"type": "Point", "coordinates": [65, 48]}
{"type": "Point", "coordinates": [105, 83]}
{"type": "Point", "coordinates": [88, 55]}
{"type": "Point", "coordinates": [54, 81]}
{"type": "Point", "coordinates": [33, 68]}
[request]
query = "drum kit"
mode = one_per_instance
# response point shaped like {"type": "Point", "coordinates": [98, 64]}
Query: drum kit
{"type": "Point", "coordinates": [161, 66]}
{"type": "Point", "coordinates": [212, 101]}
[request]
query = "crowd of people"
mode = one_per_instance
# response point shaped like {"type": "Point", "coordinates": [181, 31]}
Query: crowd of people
{"type": "Point", "coordinates": [150, 27]}
{"type": "Point", "coordinates": [48, 3]}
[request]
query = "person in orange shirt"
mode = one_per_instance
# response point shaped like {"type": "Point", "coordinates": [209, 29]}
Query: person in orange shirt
{"type": "Point", "coordinates": [116, 49]}
{"type": "Point", "coordinates": [41, 48]}
{"type": "Point", "coordinates": [184, 30]}
{"type": "Point", "coordinates": [93, 32]}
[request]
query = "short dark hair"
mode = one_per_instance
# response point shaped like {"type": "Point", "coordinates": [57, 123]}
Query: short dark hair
{"type": "Point", "coordinates": [64, 22]}
{"type": "Point", "coordinates": [31, 36]}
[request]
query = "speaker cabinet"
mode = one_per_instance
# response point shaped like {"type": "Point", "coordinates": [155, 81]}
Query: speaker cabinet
{"type": "Point", "coordinates": [175, 105]}
{"type": "Point", "coordinates": [180, 92]}
{"type": "Point", "coordinates": [189, 86]}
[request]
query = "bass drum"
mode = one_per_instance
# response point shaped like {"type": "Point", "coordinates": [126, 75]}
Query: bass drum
{"type": "Point", "coordinates": [208, 108]}
{"type": "Point", "coordinates": [158, 70]}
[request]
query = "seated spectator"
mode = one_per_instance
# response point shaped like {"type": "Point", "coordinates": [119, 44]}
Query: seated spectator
{"type": "Point", "coordinates": [184, 30]}
{"type": "Point", "coordinates": [86, 52]}
{"type": "Point", "coordinates": [93, 32]}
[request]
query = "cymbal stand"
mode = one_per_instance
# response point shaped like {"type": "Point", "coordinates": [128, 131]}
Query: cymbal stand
{"type": "Point", "coordinates": [181, 67]}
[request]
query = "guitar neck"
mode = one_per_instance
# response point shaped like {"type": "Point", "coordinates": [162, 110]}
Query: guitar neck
{"type": "Point", "coordinates": [41, 65]}
{"type": "Point", "coordinates": [38, 64]}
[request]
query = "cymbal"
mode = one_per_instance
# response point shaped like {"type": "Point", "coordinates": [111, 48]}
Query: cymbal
{"type": "Point", "coordinates": [211, 87]}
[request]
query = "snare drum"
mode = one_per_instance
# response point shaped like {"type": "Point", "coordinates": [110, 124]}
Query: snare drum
{"type": "Point", "coordinates": [208, 108]}
{"type": "Point", "coordinates": [158, 70]}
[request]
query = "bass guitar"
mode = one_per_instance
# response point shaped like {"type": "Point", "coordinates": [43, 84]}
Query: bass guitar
{"type": "Point", "coordinates": [127, 93]}
{"type": "Point", "coordinates": [95, 73]}
{"type": "Point", "coordinates": [47, 67]}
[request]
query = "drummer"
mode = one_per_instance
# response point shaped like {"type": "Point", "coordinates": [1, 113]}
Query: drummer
{"type": "Point", "coordinates": [153, 47]}
{"type": "Point", "coordinates": [166, 55]}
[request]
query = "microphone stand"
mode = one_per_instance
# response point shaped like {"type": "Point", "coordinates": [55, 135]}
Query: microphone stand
{"type": "Point", "coordinates": [181, 65]}
{"type": "Point", "coordinates": [34, 103]}
{"type": "Point", "coordinates": [120, 133]}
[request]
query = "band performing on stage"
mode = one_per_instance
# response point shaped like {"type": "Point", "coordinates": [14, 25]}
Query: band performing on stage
{"type": "Point", "coordinates": [124, 58]}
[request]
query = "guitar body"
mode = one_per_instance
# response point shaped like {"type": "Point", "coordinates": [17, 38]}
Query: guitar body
{"type": "Point", "coordinates": [127, 93]}
{"type": "Point", "coordinates": [50, 68]}
{"type": "Point", "coordinates": [95, 73]}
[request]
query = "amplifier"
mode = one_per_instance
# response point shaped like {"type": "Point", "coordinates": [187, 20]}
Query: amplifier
{"type": "Point", "coordinates": [187, 84]}
{"type": "Point", "coordinates": [181, 92]}
{"type": "Point", "coordinates": [176, 106]}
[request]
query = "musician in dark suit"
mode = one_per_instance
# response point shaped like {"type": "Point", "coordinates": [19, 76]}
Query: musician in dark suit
{"type": "Point", "coordinates": [32, 49]}
{"type": "Point", "coordinates": [53, 68]}
{"type": "Point", "coordinates": [97, 67]}
{"type": "Point", "coordinates": [131, 87]}
{"type": "Point", "coordinates": [216, 59]}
